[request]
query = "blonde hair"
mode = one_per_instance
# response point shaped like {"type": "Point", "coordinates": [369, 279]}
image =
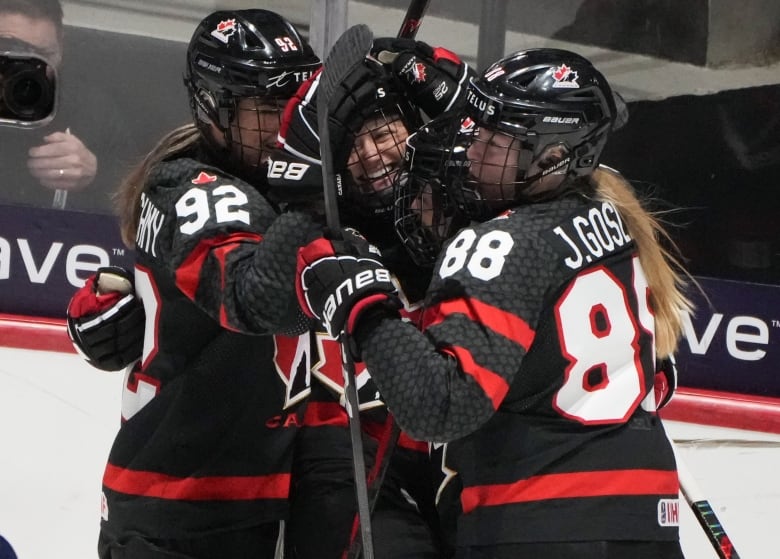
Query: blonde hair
{"type": "Point", "coordinates": [128, 195]}
{"type": "Point", "coordinates": [666, 276]}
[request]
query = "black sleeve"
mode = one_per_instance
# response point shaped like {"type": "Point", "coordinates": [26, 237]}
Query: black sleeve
{"type": "Point", "coordinates": [267, 284]}
{"type": "Point", "coordinates": [430, 396]}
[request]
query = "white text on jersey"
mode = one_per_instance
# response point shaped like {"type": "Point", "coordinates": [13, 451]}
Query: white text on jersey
{"type": "Point", "coordinates": [593, 236]}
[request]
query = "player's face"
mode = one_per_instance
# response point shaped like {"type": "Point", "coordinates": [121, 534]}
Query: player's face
{"type": "Point", "coordinates": [494, 159]}
{"type": "Point", "coordinates": [377, 154]}
{"type": "Point", "coordinates": [254, 129]}
{"type": "Point", "coordinates": [39, 33]}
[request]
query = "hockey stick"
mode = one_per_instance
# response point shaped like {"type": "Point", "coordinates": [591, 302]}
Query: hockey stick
{"type": "Point", "coordinates": [408, 30]}
{"type": "Point", "coordinates": [412, 19]}
{"type": "Point", "coordinates": [350, 49]}
{"type": "Point", "coordinates": [703, 512]}
{"type": "Point", "coordinates": [385, 451]}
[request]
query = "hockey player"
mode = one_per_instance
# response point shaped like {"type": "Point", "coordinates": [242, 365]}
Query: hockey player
{"type": "Point", "coordinates": [540, 325]}
{"type": "Point", "coordinates": [368, 151]}
{"type": "Point", "coordinates": [382, 116]}
{"type": "Point", "coordinates": [201, 465]}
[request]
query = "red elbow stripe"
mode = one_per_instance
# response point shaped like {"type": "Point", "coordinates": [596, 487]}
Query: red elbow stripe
{"type": "Point", "coordinates": [500, 321]}
{"type": "Point", "coordinates": [211, 488]}
{"type": "Point", "coordinates": [574, 485]}
{"type": "Point", "coordinates": [189, 272]}
{"type": "Point", "coordinates": [492, 383]}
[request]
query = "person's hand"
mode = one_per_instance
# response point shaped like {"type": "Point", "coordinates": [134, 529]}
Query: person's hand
{"type": "Point", "coordinates": [106, 321]}
{"type": "Point", "coordinates": [352, 103]}
{"type": "Point", "coordinates": [435, 78]}
{"type": "Point", "coordinates": [62, 162]}
{"type": "Point", "coordinates": [340, 278]}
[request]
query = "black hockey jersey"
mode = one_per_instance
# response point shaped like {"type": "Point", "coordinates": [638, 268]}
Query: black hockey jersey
{"type": "Point", "coordinates": [537, 363]}
{"type": "Point", "coordinates": [208, 422]}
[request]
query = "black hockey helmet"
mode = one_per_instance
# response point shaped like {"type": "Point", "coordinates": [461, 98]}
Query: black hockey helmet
{"type": "Point", "coordinates": [243, 54]}
{"type": "Point", "coordinates": [550, 110]}
{"type": "Point", "coordinates": [378, 120]}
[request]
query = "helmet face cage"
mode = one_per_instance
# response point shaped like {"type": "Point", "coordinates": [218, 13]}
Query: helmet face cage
{"type": "Point", "coordinates": [374, 162]}
{"type": "Point", "coordinates": [378, 136]}
{"type": "Point", "coordinates": [425, 215]}
{"type": "Point", "coordinates": [532, 122]}
{"type": "Point", "coordinates": [242, 67]}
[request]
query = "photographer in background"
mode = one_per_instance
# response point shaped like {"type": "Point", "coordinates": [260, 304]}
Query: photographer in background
{"type": "Point", "coordinates": [57, 164]}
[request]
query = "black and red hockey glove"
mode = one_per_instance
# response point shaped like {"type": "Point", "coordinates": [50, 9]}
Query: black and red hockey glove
{"type": "Point", "coordinates": [435, 79]}
{"type": "Point", "coordinates": [106, 321]}
{"type": "Point", "coordinates": [665, 382]}
{"type": "Point", "coordinates": [340, 278]}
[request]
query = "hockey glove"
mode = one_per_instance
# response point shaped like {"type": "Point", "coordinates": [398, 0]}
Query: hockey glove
{"type": "Point", "coordinates": [338, 279]}
{"type": "Point", "coordinates": [352, 103]}
{"type": "Point", "coordinates": [435, 79]}
{"type": "Point", "coordinates": [106, 321]}
{"type": "Point", "coordinates": [665, 381]}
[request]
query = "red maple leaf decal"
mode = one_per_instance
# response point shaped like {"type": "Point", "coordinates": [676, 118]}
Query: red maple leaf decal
{"type": "Point", "coordinates": [419, 72]}
{"type": "Point", "coordinates": [204, 178]}
{"type": "Point", "coordinates": [227, 24]}
{"type": "Point", "coordinates": [561, 72]}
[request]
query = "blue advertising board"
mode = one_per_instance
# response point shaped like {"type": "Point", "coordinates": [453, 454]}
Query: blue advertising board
{"type": "Point", "coordinates": [46, 254]}
{"type": "Point", "coordinates": [732, 341]}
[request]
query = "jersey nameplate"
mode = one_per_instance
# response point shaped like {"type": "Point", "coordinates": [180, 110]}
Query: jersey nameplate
{"type": "Point", "coordinates": [594, 233]}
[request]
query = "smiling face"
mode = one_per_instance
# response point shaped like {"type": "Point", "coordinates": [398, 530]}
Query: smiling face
{"type": "Point", "coordinates": [377, 154]}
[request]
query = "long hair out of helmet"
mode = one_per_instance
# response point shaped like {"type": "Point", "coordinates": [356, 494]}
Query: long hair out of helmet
{"type": "Point", "coordinates": [242, 54]}
{"type": "Point", "coordinates": [552, 110]}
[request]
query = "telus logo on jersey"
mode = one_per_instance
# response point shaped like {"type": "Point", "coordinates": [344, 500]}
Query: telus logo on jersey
{"type": "Point", "coordinates": [149, 226]}
{"type": "Point", "coordinates": [590, 236]}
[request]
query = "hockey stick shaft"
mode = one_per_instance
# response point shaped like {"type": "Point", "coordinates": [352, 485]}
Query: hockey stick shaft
{"type": "Point", "coordinates": [702, 510]}
{"type": "Point", "coordinates": [385, 451]}
{"type": "Point", "coordinates": [413, 19]}
{"type": "Point", "coordinates": [408, 30]}
{"type": "Point", "coordinates": [350, 49]}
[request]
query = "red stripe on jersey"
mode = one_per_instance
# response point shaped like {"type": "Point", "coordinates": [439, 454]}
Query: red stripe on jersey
{"type": "Point", "coordinates": [500, 321]}
{"type": "Point", "coordinates": [405, 441]}
{"type": "Point", "coordinates": [325, 413]}
{"type": "Point", "coordinates": [188, 273]}
{"type": "Point", "coordinates": [211, 488]}
{"type": "Point", "coordinates": [494, 386]}
{"type": "Point", "coordinates": [567, 486]}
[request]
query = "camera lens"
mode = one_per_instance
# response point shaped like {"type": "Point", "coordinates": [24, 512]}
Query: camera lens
{"type": "Point", "coordinates": [28, 94]}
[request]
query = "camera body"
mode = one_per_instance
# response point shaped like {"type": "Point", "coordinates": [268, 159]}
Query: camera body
{"type": "Point", "coordinates": [28, 87]}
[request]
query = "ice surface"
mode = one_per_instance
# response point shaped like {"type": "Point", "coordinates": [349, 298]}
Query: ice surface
{"type": "Point", "coordinates": [58, 417]}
